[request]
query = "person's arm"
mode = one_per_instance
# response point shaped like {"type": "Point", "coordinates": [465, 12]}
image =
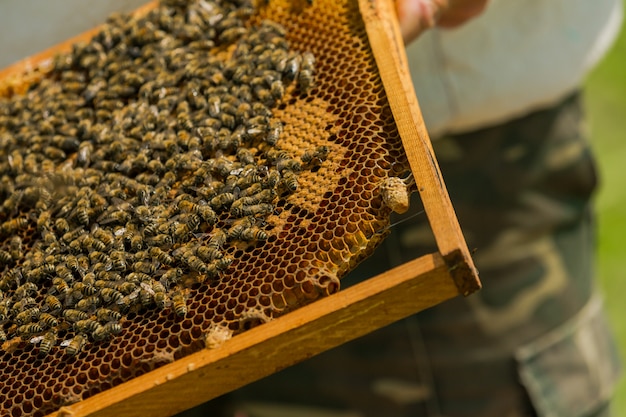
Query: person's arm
{"type": "Point", "coordinates": [415, 16]}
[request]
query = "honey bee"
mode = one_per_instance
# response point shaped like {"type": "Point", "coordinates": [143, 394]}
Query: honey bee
{"type": "Point", "coordinates": [305, 76]}
{"type": "Point", "coordinates": [171, 277]}
{"type": "Point", "coordinates": [259, 109]}
{"type": "Point", "coordinates": [106, 315]}
{"type": "Point", "coordinates": [61, 225]}
{"type": "Point", "coordinates": [146, 295]}
{"type": "Point", "coordinates": [72, 263]}
{"type": "Point", "coordinates": [114, 216]}
{"type": "Point", "coordinates": [24, 303]}
{"type": "Point", "coordinates": [87, 325]}
{"type": "Point", "coordinates": [97, 256]}
{"type": "Point", "coordinates": [289, 180]}
{"type": "Point", "coordinates": [82, 212]}
{"type": "Point", "coordinates": [52, 304]}
{"type": "Point", "coordinates": [253, 234]}
{"type": "Point", "coordinates": [11, 278]}
{"type": "Point", "coordinates": [75, 345]}
{"type": "Point", "coordinates": [179, 303]}
{"type": "Point", "coordinates": [218, 239]}
{"type": "Point", "coordinates": [196, 264]}
{"type": "Point", "coordinates": [118, 260]}
{"type": "Point", "coordinates": [260, 209]}
{"type": "Point", "coordinates": [222, 201]}
{"type": "Point", "coordinates": [232, 34]}
{"type": "Point", "coordinates": [72, 235]}
{"type": "Point", "coordinates": [274, 132]}
{"type": "Point", "coordinates": [272, 179]}
{"type": "Point", "coordinates": [50, 239]}
{"type": "Point", "coordinates": [74, 316]}
{"type": "Point", "coordinates": [26, 290]}
{"type": "Point", "coordinates": [106, 331]}
{"type": "Point", "coordinates": [16, 162]}
{"type": "Point", "coordinates": [84, 153]}
{"type": "Point", "coordinates": [63, 272]}
{"type": "Point", "coordinates": [277, 89]}
{"type": "Point", "coordinates": [74, 295]}
{"type": "Point", "coordinates": [27, 315]}
{"type": "Point", "coordinates": [60, 287]}
{"type": "Point", "coordinates": [214, 105]}
{"type": "Point", "coordinates": [192, 220]}
{"type": "Point", "coordinates": [161, 240]}
{"type": "Point", "coordinates": [150, 230]}
{"type": "Point", "coordinates": [49, 339]}
{"type": "Point", "coordinates": [44, 220]}
{"type": "Point", "coordinates": [5, 258]}
{"type": "Point", "coordinates": [161, 256]}
{"type": "Point", "coordinates": [315, 157]}
{"type": "Point", "coordinates": [284, 162]}
{"type": "Point", "coordinates": [127, 301]}
{"type": "Point", "coordinates": [222, 263]}
{"type": "Point", "coordinates": [184, 121]}
{"type": "Point", "coordinates": [125, 288]}
{"type": "Point", "coordinates": [104, 236]}
{"type": "Point", "coordinates": [65, 143]}
{"type": "Point", "coordinates": [245, 229]}
{"type": "Point", "coordinates": [149, 268]}
{"type": "Point", "coordinates": [161, 299]}
{"type": "Point", "coordinates": [47, 320]}
{"type": "Point", "coordinates": [29, 329]}
{"type": "Point", "coordinates": [38, 273]}
{"type": "Point", "coordinates": [208, 253]}
{"type": "Point", "coordinates": [10, 227]}
{"type": "Point", "coordinates": [5, 306]}
{"type": "Point", "coordinates": [263, 196]}
{"type": "Point", "coordinates": [138, 277]}
{"type": "Point", "coordinates": [292, 67]}
{"type": "Point", "coordinates": [54, 153]}
{"type": "Point", "coordinates": [250, 177]}
{"type": "Point", "coordinates": [85, 130]}
{"type": "Point", "coordinates": [111, 296]}
{"type": "Point", "coordinates": [89, 303]}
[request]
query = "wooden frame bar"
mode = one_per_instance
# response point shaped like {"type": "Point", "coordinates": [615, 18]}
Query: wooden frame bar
{"type": "Point", "coordinates": [386, 42]}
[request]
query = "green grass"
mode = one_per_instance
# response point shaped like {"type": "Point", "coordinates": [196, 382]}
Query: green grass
{"type": "Point", "coordinates": [606, 106]}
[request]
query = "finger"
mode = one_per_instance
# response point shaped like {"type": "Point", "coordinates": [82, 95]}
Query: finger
{"type": "Point", "coordinates": [415, 16]}
{"type": "Point", "coordinates": [460, 11]}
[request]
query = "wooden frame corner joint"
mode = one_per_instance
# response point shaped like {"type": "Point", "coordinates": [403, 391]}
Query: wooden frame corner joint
{"type": "Point", "coordinates": [462, 272]}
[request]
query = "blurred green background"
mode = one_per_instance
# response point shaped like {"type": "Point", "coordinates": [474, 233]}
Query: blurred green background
{"type": "Point", "coordinates": [606, 106]}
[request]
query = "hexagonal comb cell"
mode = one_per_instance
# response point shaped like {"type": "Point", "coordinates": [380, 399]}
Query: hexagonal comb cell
{"type": "Point", "coordinates": [184, 176]}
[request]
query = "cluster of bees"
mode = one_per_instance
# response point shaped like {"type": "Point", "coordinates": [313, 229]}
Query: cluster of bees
{"type": "Point", "coordinates": [130, 169]}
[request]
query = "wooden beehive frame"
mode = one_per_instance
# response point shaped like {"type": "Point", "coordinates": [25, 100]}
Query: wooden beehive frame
{"type": "Point", "coordinates": [347, 315]}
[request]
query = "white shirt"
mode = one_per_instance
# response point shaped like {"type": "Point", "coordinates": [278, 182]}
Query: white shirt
{"type": "Point", "coordinates": [518, 56]}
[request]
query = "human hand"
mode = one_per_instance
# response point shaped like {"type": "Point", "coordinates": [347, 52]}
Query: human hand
{"type": "Point", "coordinates": [415, 16]}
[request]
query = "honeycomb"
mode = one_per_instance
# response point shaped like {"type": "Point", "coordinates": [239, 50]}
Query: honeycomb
{"type": "Point", "coordinates": [336, 124]}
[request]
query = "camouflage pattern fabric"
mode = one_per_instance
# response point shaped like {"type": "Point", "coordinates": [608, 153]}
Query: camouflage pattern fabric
{"type": "Point", "coordinates": [532, 342]}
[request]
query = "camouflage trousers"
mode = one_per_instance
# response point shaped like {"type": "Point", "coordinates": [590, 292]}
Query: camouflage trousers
{"type": "Point", "coordinates": [532, 342]}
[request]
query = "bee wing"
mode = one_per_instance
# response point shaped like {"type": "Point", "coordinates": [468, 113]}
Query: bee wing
{"type": "Point", "coordinates": [36, 339]}
{"type": "Point", "coordinates": [147, 287]}
{"type": "Point", "coordinates": [133, 295]}
{"type": "Point", "coordinates": [119, 232]}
